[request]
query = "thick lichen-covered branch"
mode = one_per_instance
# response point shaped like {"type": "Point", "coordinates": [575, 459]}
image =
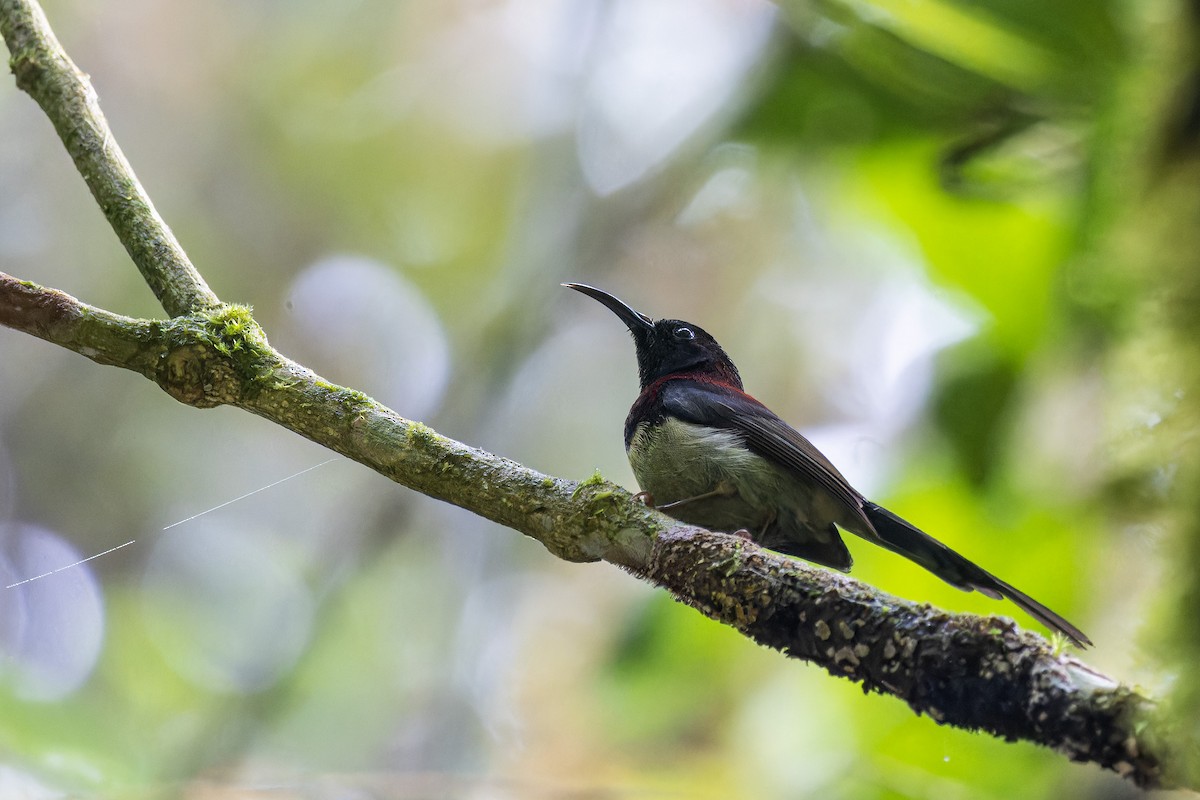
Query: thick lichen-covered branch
{"type": "Point", "coordinates": [45, 71]}
{"type": "Point", "coordinates": [979, 673]}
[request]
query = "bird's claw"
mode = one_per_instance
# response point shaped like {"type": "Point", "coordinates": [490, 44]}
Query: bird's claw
{"type": "Point", "coordinates": [645, 498]}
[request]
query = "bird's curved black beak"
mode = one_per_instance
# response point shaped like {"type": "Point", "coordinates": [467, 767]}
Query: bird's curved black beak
{"type": "Point", "coordinates": [635, 321]}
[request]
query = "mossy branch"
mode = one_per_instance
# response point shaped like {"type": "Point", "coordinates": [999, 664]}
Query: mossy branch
{"type": "Point", "coordinates": [45, 71]}
{"type": "Point", "coordinates": [979, 673]}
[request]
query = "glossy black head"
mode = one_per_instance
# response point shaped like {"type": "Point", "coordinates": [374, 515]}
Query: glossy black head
{"type": "Point", "coordinates": [668, 346]}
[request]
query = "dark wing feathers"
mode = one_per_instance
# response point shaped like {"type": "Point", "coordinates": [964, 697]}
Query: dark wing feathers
{"type": "Point", "coordinates": [769, 436]}
{"type": "Point", "coordinates": [763, 432]}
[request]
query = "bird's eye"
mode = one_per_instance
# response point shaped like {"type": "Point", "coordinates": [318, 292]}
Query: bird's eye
{"type": "Point", "coordinates": [684, 333]}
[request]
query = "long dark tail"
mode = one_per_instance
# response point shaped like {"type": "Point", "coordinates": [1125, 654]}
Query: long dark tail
{"type": "Point", "coordinates": [915, 545]}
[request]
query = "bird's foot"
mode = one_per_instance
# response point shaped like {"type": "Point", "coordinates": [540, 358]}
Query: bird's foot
{"type": "Point", "coordinates": [744, 534]}
{"type": "Point", "coordinates": [645, 498]}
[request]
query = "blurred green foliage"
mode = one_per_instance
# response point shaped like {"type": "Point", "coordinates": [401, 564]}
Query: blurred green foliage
{"type": "Point", "coordinates": [947, 238]}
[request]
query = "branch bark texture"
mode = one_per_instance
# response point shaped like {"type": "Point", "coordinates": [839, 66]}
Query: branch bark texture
{"type": "Point", "coordinates": [979, 673]}
{"type": "Point", "coordinates": [44, 70]}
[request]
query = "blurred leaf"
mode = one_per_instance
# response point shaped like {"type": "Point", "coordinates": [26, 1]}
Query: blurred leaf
{"type": "Point", "coordinates": [971, 407]}
{"type": "Point", "coordinates": [666, 652]}
{"type": "Point", "coordinates": [1003, 255]}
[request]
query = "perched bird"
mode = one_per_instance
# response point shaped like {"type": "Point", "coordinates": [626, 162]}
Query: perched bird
{"type": "Point", "coordinates": [709, 454]}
